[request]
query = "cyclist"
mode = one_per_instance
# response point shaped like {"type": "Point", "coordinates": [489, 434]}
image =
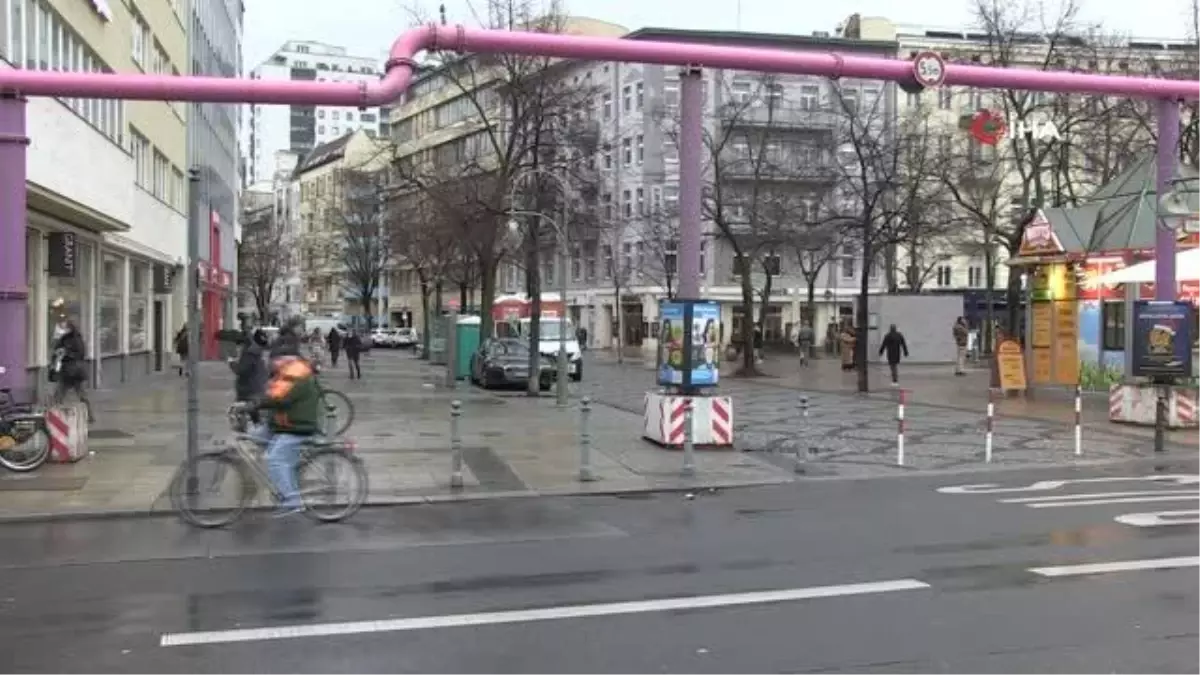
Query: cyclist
{"type": "Point", "coordinates": [293, 402]}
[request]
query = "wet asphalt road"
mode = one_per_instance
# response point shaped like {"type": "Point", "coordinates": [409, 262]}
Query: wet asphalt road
{"type": "Point", "coordinates": [98, 596]}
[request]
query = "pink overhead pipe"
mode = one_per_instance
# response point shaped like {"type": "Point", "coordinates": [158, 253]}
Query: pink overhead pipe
{"type": "Point", "coordinates": [458, 38]}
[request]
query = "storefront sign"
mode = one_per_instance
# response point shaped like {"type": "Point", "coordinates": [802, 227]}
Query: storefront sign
{"type": "Point", "coordinates": [1039, 237]}
{"type": "Point", "coordinates": [203, 272]}
{"type": "Point", "coordinates": [1162, 339]}
{"type": "Point", "coordinates": [164, 279]}
{"type": "Point", "coordinates": [1010, 363]}
{"type": "Point", "coordinates": [699, 321]}
{"type": "Point", "coordinates": [63, 254]}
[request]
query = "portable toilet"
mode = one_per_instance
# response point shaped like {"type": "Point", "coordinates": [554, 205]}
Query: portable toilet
{"type": "Point", "coordinates": [467, 342]}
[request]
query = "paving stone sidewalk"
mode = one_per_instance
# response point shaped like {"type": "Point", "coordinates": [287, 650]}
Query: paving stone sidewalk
{"type": "Point", "coordinates": [512, 445]}
{"type": "Point", "coordinates": [848, 435]}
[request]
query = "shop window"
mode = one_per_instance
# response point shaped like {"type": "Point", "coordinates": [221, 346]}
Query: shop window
{"type": "Point", "coordinates": [70, 299]}
{"type": "Point", "coordinates": [32, 278]}
{"type": "Point", "coordinates": [1112, 317]}
{"type": "Point", "coordinates": [139, 307]}
{"type": "Point", "coordinates": [112, 291]}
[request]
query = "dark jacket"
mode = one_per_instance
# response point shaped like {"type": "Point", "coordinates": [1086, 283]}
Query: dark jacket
{"type": "Point", "coordinates": [72, 357]}
{"type": "Point", "coordinates": [893, 344]}
{"type": "Point", "coordinates": [181, 342]}
{"type": "Point", "coordinates": [251, 372]}
{"type": "Point", "coordinates": [293, 398]}
{"type": "Point", "coordinates": [287, 343]}
{"type": "Point", "coordinates": [334, 340]}
{"type": "Point", "coordinates": [352, 344]}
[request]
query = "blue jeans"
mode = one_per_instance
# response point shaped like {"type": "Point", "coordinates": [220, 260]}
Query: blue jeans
{"type": "Point", "coordinates": [283, 454]}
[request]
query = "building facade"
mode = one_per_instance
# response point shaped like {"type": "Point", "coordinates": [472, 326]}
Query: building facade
{"type": "Point", "coordinates": [618, 272]}
{"type": "Point", "coordinates": [216, 50]}
{"type": "Point", "coordinates": [298, 128]}
{"type": "Point", "coordinates": [106, 188]}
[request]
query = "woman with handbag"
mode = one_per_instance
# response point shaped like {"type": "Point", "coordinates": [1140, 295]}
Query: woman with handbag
{"type": "Point", "coordinates": [68, 370]}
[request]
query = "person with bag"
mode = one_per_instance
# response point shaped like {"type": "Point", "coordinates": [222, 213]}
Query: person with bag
{"type": "Point", "coordinates": [354, 347]}
{"type": "Point", "coordinates": [68, 370]}
{"type": "Point", "coordinates": [334, 342]}
{"type": "Point", "coordinates": [894, 344]}
{"type": "Point", "coordinates": [181, 349]}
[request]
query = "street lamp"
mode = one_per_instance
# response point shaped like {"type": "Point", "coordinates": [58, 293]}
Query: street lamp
{"type": "Point", "coordinates": [560, 236]}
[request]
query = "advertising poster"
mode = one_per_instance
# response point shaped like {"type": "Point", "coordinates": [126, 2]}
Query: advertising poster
{"type": "Point", "coordinates": [701, 322]}
{"type": "Point", "coordinates": [1162, 339]}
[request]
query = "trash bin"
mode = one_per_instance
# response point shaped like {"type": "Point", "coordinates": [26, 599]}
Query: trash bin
{"type": "Point", "coordinates": [466, 344]}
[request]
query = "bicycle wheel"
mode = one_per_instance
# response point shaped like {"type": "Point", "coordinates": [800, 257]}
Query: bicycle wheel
{"type": "Point", "coordinates": [24, 444]}
{"type": "Point", "coordinates": [210, 471]}
{"type": "Point", "coordinates": [321, 477]}
{"type": "Point", "coordinates": [339, 412]}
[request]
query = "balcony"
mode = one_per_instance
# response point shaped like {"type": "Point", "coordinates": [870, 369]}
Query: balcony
{"type": "Point", "coordinates": [789, 117]}
{"type": "Point", "coordinates": [782, 170]}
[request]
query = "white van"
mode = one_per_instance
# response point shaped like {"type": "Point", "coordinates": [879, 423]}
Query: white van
{"type": "Point", "coordinates": [548, 332]}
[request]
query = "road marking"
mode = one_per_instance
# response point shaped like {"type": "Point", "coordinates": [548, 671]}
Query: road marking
{"type": "Point", "coordinates": [529, 615]}
{"type": "Point", "coordinates": [1159, 518]}
{"type": "Point", "coordinates": [1124, 566]}
{"type": "Point", "coordinates": [1044, 485]}
{"type": "Point", "coordinates": [1096, 495]}
{"type": "Point", "coordinates": [1125, 500]}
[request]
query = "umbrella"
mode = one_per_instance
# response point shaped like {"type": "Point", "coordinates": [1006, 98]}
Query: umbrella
{"type": "Point", "coordinates": [1187, 268]}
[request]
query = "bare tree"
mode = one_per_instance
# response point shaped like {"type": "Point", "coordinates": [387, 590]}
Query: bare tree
{"type": "Point", "coordinates": [263, 257]}
{"type": "Point", "coordinates": [660, 239]}
{"type": "Point", "coordinates": [426, 242]}
{"type": "Point", "coordinates": [362, 244]}
{"type": "Point", "coordinates": [815, 241]}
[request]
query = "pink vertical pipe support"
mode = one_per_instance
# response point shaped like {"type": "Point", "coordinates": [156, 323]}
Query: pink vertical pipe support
{"type": "Point", "coordinates": [13, 289]}
{"type": "Point", "coordinates": [1164, 237]}
{"type": "Point", "coordinates": [691, 182]}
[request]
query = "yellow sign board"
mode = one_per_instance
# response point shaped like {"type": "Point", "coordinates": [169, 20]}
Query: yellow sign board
{"type": "Point", "coordinates": [1043, 365]}
{"type": "Point", "coordinates": [1043, 325]}
{"type": "Point", "coordinates": [1010, 363]}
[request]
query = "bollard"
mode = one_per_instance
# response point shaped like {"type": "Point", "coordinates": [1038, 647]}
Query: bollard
{"type": "Point", "coordinates": [689, 448]}
{"type": "Point", "coordinates": [801, 455]}
{"type": "Point", "coordinates": [900, 430]}
{"type": "Point", "coordinates": [1078, 420]}
{"type": "Point", "coordinates": [804, 406]}
{"type": "Point", "coordinates": [585, 441]}
{"type": "Point", "coordinates": [987, 439]}
{"type": "Point", "coordinates": [456, 457]}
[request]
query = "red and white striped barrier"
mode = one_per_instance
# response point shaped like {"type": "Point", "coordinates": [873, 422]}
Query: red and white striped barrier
{"type": "Point", "coordinates": [68, 433]}
{"type": "Point", "coordinates": [664, 419]}
{"type": "Point", "coordinates": [1078, 420]}
{"type": "Point", "coordinates": [900, 430]}
{"type": "Point", "coordinates": [987, 439]}
{"type": "Point", "coordinates": [1135, 404]}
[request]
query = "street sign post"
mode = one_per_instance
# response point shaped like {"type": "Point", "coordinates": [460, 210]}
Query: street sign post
{"type": "Point", "coordinates": [929, 69]}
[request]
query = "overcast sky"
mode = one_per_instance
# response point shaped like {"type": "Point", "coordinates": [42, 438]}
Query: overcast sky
{"type": "Point", "coordinates": [367, 27]}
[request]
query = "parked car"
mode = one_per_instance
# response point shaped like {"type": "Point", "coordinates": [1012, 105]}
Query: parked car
{"type": "Point", "coordinates": [381, 337]}
{"type": "Point", "coordinates": [500, 362]}
{"type": "Point", "coordinates": [405, 338]}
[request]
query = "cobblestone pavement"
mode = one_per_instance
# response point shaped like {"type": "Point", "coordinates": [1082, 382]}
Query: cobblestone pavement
{"type": "Point", "coordinates": [849, 435]}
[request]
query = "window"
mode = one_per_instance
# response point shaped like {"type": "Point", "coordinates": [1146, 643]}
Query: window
{"type": "Point", "coordinates": [349, 116]}
{"type": "Point", "coordinates": [914, 99]}
{"type": "Point", "coordinates": [576, 264]}
{"type": "Point", "coordinates": [670, 152]}
{"type": "Point", "coordinates": [626, 258]}
{"type": "Point", "coordinates": [945, 276]}
{"type": "Point", "coordinates": [141, 41]}
{"type": "Point", "coordinates": [607, 261]}
{"type": "Point", "coordinates": [703, 253]}
{"type": "Point", "coordinates": [641, 148]}
{"type": "Point", "coordinates": [639, 92]}
{"type": "Point", "coordinates": [671, 256]}
{"type": "Point", "coordinates": [590, 261]}
{"type": "Point", "coordinates": [627, 98]}
{"type": "Point", "coordinates": [606, 201]}
{"type": "Point", "coordinates": [771, 264]}
{"type": "Point", "coordinates": [179, 194]}
{"type": "Point", "coordinates": [849, 263]}
{"type": "Point", "coordinates": [321, 114]}
{"type": "Point", "coordinates": [810, 97]}
{"type": "Point", "coordinates": [741, 92]}
{"type": "Point", "coordinates": [1112, 317]}
{"type": "Point", "coordinates": [336, 115]}
{"type": "Point", "coordinates": [627, 151]}
{"type": "Point", "coordinates": [740, 265]}
{"type": "Point", "coordinates": [850, 98]}
{"type": "Point", "coordinates": [974, 276]}
{"type": "Point", "coordinates": [142, 167]}
{"type": "Point", "coordinates": [945, 98]}
{"type": "Point", "coordinates": [608, 158]}
{"type": "Point", "coordinates": [641, 201]}
{"type": "Point", "coordinates": [627, 203]}
{"type": "Point", "coordinates": [161, 171]}
{"type": "Point", "coordinates": [671, 94]}
{"type": "Point", "coordinates": [139, 306]}
{"type": "Point", "coordinates": [320, 128]}
{"type": "Point", "coordinates": [112, 295]}
{"type": "Point", "coordinates": [606, 106]}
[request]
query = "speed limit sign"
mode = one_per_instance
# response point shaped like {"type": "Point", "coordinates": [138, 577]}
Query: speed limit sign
{"type": "Point", "coordinates": [929, 69]}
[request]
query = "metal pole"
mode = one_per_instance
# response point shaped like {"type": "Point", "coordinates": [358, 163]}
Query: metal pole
{"type": "Point", "coordinates": [191, 381]}
{"type": "Point", "coordinates": [13, 290]}
{"type": "Point", "coordinates": [456, 458]}
{"type": "Point", "coordinates": [1168, 160]}
{"type": "Point", "coordinates": [1160, 417]}
{"type": "Point", "coordinates": [560, 367]}
{"type": "Point", "coordinates": [802, 453]}
{"type": "Point", "coordinates": [585, 441]}
{"type": "Point", "coordinates": [691, 150]}
{"type": "Point", "coordinates": [689, 448]}
{"type": "Point", "coordinates": [451, 320]}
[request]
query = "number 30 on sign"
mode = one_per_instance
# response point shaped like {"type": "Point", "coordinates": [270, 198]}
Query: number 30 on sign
{"type": "Point", "coordinates": [929, 69]}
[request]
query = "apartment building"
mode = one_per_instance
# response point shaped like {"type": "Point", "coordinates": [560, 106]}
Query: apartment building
{"type": "Point", "coordinates": [107, 197]}
{"type": "Point", "coordinates": [618, 273]}
{"type": "Point", "coordinates": [298, 128]}
{"type": "Point", "coordinates": [958, 263]}
{"type": "Point", "coordinates": [325, 182]}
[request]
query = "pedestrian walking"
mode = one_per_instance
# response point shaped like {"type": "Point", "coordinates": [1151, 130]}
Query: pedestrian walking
{"type": "Point", "coordinates": [316, 348]}
{"type": "Point", "coordinates": [893, 344]}
{"type": "Point", "coordinates": [353, 346]}
{"type": "Point", "coordinates": [250, 371]}
{"type": "Point", "coordinates": [334, 342]}
{"type": "Point", "coordinates": [848, 338]}
{"type": "Point", "coordinates": [68, 370]}
{"type": "Point", "coordinates": [804, 342]}
{"type": "Point", "coordinates": [962, 337]}
{"type": "Point", "coordinates": [181, 349]}
{"type": "Point", "coordinates": [758, 344]}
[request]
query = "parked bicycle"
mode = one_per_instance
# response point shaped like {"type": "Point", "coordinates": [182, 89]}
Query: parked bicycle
{"type": "Point", "coordinates": [322, 461]}
{"type": "Point", "coordinates": [24, 436]}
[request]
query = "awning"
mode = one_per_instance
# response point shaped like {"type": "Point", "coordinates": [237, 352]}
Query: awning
{"type": "Point", "coordinates": [1187, 268]}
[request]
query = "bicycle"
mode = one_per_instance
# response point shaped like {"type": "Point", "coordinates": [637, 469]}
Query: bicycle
{"type": "Point", "coordinates": [321, 460]}
{"type": "Point", "coordinates": [331, 400]}
{"type": "Point", "coordinates": [24, 436]}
